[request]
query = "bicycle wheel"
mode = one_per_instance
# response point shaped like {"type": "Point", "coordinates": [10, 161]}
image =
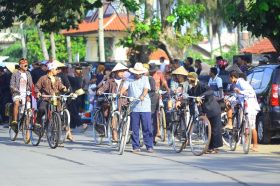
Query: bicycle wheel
{"type": "Point", "coordinates": [113, 129]}
{"type": "Point", "coordinates": [36, 133]}
{"type": "Point", "coordinates": [200, 135]}
{"type": "Point", "coordinates": [98, 127]}
{"type": "Point", "coordinates": [125, 133]}
{"type": "Point", "coordinates": [246, 135]}
{"type": "Point", "coordinates": [25, 126]}
{"type": "Point", "coordinates": [54, 127]}
{"type": "Point", "coordinates": [162, 125]}
{"type": "Point", "coordinates": [177, 136]}
{"type": "Point", "coordinates": [65, 125]}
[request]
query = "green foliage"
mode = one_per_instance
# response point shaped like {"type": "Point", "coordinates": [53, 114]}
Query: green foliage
{"type": "Point", "coordinates": [14, 52]}
{"type": "Point", "coordinates": [34, 51]}
{"type": "Point", "coordinates": [52, 15]}
{"type": "Point", "coordinates": [261, 17]}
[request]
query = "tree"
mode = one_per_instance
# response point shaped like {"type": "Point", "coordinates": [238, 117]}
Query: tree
{"type": "Point", "coordinates": [52, 15]}
{"type": "Point", "coordinates": [261, 17]}
{"type": "Point", "coordinates": [174, 31]}
{"type": "Point", "coordinates": [53, 49]}
{"type": "Point", "coordinates": [43, 43]}
{"type": "Point", "coordinates": [101, 35]}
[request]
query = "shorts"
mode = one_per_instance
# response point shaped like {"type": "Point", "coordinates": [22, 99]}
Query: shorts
{"type": "Point", "coordinates": [18, 98]}
{"type": "Point", "coordinates": [252, 120]}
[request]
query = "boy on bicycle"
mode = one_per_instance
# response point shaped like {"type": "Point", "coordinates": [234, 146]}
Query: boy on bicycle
{"type": "Point", "coordinates": [49, 84]}
{"type": "Point", "coordinates": [114, 85]}
{"type": "Point", "coordinates": [20, 84]}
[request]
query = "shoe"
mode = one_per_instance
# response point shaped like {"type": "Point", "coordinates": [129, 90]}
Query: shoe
{"type": "Point", "coordinates": [150, 150]}
{"type": "Point", "coordinates": [14, 126]}
{"type": "Point", "coordinates": [155, 143]}
{"type": "Point", "coordinates": [85, 127]}
{"type": "Point", "coordinates": [136, 150]}
{"type": "Point", "coordinates": [70, 138]}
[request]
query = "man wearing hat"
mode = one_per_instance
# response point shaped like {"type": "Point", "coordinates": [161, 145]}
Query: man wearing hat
{"type": "Point", "coordinates": [138, 86]}
{"type": "Point", "coordinates": [114, 85]}
{"type": "Point", "coordinates": [210, 107]}
{"type": "Point", "coordinates": [49, 84]}
{"type": "Point", "coordinates": [20, 84]}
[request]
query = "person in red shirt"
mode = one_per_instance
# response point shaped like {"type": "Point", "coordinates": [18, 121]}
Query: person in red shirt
{"type": "Point", "coordinates": [158, 77]}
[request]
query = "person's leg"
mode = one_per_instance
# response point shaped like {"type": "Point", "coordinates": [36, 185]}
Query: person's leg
{"type": "Point", "coordinates": [252, 122]}
{"type": "Point", "coordinates": [15, 111]}
{"type": "Point", "coordinates": [216, 133]}
{"type": "Point", "coordinates": [229, 117]}
{"type": "Point", "coordinates": [147, 129]}
{"type": "Point", "coordinates": [135, 125]}
{"type": "Point", "coordinates": [42, 109]}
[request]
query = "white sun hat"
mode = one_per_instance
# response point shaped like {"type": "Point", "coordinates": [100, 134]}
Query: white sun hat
{"type": "Point", "coordinates": [138, 69]}
{"type": "Point", "coordinates": [180, 71]}
{"type": "Point", "coordinates": [119, 67]}
{"type": "Point", "coordinates": [51, 66]}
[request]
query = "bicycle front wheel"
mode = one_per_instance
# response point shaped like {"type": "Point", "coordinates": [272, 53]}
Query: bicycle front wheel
{"type": "Point", "coordinates": [124, 136]}
{"type": "Point", "coordinates": [200, 135]}
{"type": "Point", "coordinates": [246, 135]}
{"type": "Point", "coordinates": [162, 125]}
{"type": "Point", "coordinates": [178, 137]}
{"type": "Point", "coordinates": [98, 127]}
{"type": "Point", "coordinates": [25, 127]}
{"type": "Point", "coordinates": [65, 125]}
{"type": "Point", "coordinates": [54, 127]}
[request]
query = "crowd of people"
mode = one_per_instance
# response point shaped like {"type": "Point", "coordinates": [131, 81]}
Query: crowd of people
{"type": "Point", "coordinates": [141, 81]}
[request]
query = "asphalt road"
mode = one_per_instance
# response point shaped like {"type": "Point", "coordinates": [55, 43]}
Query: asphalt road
{"type": "Point", "coordinates": [83, 163]}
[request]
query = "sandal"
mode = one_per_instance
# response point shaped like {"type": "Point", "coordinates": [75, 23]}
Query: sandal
{"type": "Point", "coordinates": [70, 137]}
{"type": "Point", "coordinates": [254, 149]}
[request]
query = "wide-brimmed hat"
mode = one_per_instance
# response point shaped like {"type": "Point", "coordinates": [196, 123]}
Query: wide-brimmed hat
{"type": "Point", "coordinates": [153, 67]}
{"type": "Point", "coordinates": [119, 67]}
{"type": "Point", "coordinates": [180, 71]}
{"type": "Point", "coordinates": [51, 66]}
{"type": "Point", "coordinates": [192, 76]}
{"type": "Point", "coordinates": [138, 69]}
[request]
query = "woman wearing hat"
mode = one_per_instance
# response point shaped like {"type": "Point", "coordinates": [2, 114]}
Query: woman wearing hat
{"type": "Point", "coordinates": [138, 86]}
{"type": "Point", "coordinates": [114, 85]}
{"type": "Point", "coordinates": [210, 107]}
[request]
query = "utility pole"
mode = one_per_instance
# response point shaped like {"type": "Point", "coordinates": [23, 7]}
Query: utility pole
{"type": "Point", "coordinates": [101, 35]}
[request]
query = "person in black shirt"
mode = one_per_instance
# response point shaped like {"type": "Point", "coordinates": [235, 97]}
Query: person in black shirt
{"type": "Point", "coordinates": [5, 93]}
{"type": "Point", "coordinates": [188, 64]}
{"type": "Point", "coordinates": [210, 107]}
{"type": "Point", "coordinates": [38, 72]}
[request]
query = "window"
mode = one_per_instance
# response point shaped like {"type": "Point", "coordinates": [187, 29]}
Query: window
{"type": "Point", "coordinates": [259, 79]}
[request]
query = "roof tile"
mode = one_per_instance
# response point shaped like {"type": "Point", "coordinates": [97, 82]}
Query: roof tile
{"type": "Point", "coordinates": [261, 46]}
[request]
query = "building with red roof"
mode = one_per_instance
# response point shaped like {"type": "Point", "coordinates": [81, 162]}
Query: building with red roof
{"type": "Point", "coordinates": [115, 23]}
{"type": "Point", "coordinates": [262, 46]}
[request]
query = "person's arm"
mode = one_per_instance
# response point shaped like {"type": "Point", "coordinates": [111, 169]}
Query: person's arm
{"type": "Point", "coordinates": [124, 88]}
{"type": "Point", "coordinates": [103, 88]}
{"type": "Point", "coordinates": [61, 87]}
{"type": "Point", "coordinates": [146, 88]}
{"type": "Point", "coordinates": [164, 82]}
{"type": "Point", "coordinates": [38, 87]}
{"type": "Point", "coordinates": [13, 84]}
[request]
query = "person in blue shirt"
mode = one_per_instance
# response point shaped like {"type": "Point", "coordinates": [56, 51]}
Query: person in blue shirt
{"type": "Point", "coordinates": [216, 83]}
{"type": "Point", "coordinates": [138, 86]}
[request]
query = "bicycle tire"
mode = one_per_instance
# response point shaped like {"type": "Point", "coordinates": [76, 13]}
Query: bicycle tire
{"type": "Point", "coordinates": [65, 125]}
{"type": "Point", "coordinates": [116, 118]}
{"type": "Point", "coordinates": [53, 130]}
{"type": "Point", "coordinates": [176, 137]}
{"type": "Point", "coordinates": [200, 136]}
{"type": "Point", "coordinates": [98, 119]}
{"type": "Point", "coordinates": [124, 136]}
{"type": "Point", "coordinates": [36, 133]}
{"type": "Point", "coordinates": [162, 125]}
{"type": "Point", "coordinates": [25, 126]}
{"type": "Point", "coordinates": [246, 135]}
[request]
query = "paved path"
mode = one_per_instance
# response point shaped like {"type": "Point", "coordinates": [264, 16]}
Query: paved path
{"type": "Point", "coordinates": [82, 163]}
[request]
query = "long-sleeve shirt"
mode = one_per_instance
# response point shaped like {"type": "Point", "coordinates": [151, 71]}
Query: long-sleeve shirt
{"type": "Point", "coordinates": [46, 87]}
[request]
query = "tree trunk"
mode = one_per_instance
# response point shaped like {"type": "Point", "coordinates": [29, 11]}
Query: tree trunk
{"type": "Point", "coordinates": [69, 50]}
{"type": "Point", "coordinates": [53, 49]}
{"type": "Point", "coordinates": [149, 10]}
{"type": "Point", "coordinates": [220, 42]}
{"type": "Point", "coordinates": [275, 42]}
{"type": "Point", "coordinates": [211, 39]}
{"type": "Point", "coordinates": [101, 35]}
{"type": "Point", "coordinates": [23, 42]}
{"type": "Point", "coordinates": [43, 43]}
{"type": "Point", "coordinates": [239, 47]}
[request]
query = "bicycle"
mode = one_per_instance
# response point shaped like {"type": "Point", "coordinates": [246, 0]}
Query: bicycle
{"type": "Point", "coordinates": [38, 132]}
{"type": "Point", "coordinates": [124, 125]}
{"type": "Point", "coordinates": [193, 128]}
{"type": "Point", "coordinates": [107, 126]}
{"type": "Point", "coordinates": [242, 131]}
{"type": "Point", "coordinates": [24, 120]}
{"type": "Point", "coordinates": [161, 119]}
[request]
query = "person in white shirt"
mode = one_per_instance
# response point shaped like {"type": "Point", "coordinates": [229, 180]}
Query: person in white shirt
{"type": "Point", "coordinates": [216, 83]}
{"type": "Point", "coordinates": [162, 64]}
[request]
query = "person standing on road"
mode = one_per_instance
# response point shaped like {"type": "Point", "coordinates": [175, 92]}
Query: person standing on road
{"type": "Point", "coordinates": [216, 83]}
{"type": "Point", "coordinates": [210, 107]}
{"type": "Point", "coordinates": [138, 86]}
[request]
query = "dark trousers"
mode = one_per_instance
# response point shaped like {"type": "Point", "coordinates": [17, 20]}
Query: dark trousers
{"type": "Point", "coordinates": [42, 110]}
{"type": "Point", "coordinates": [145, 118]}
{"type": "Point", "coordinates": [75, 118]}
{"type": "Point", "coordinates": [3, 101]}
{"type": "Point", "coordinates": [154, 124]}
{"type": "Point", "coordinates": [216, 132]}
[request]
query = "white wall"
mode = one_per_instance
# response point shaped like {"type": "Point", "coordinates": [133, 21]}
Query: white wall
{"type": "Point", "coordinates": [91, 47]}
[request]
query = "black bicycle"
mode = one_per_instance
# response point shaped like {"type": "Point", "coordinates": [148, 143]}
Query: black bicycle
{"type": "Point", "coordinates": [193, 128]}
